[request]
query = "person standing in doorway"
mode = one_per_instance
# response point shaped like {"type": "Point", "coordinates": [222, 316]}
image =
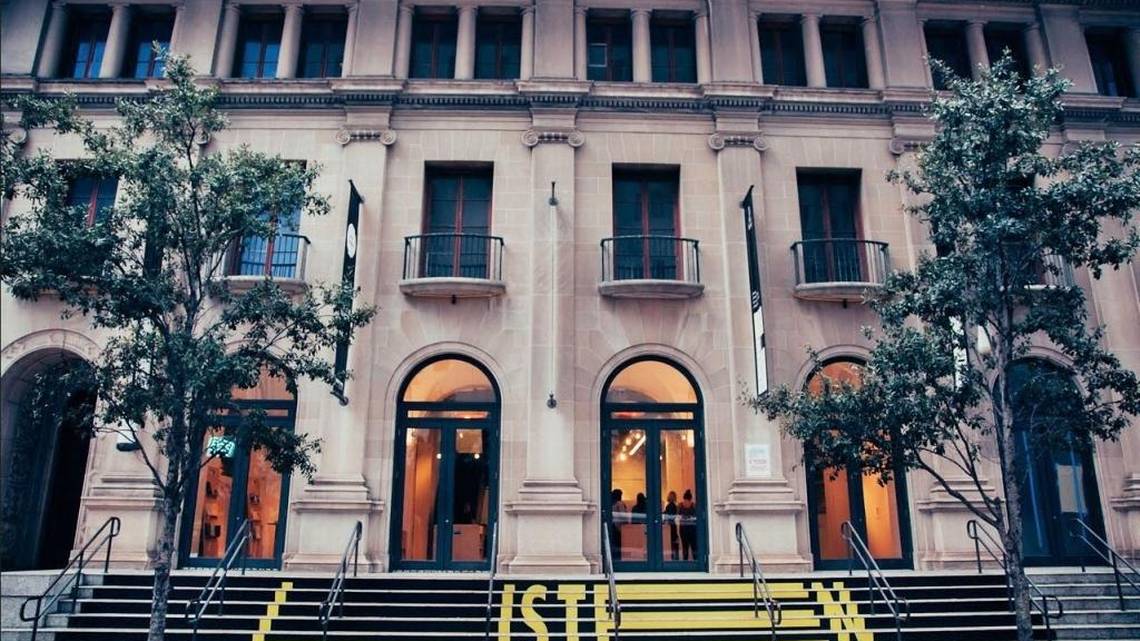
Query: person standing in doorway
{"type": "Point", "coordinates": [687, 513]}
{"type": "Point", "coordinates": [619, 515]}
{"type": "Point", "coordinates": [671, 519]}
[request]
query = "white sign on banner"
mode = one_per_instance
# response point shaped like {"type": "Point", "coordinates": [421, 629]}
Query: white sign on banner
{"type": "Point", "coordinates": [757, 460]}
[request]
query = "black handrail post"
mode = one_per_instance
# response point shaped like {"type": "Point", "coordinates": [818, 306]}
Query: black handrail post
{"type": "Point", "coordinates": [1116, 575]}
{"type": "Point", "coordinates": [36, 621]}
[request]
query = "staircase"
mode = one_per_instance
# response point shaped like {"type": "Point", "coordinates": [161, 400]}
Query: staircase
{"type": "Point", "coordinates": [1092, 606]}
{"type": "Point", "coordinates": [279, 607]}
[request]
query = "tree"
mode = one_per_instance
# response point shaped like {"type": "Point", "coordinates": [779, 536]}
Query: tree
{"type": "Point", "coordinates": [149, 272]}
{"type": "Point", "coordinates": [947, 388]}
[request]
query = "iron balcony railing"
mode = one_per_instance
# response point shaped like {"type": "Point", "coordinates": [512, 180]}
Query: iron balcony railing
{"type": "Point", "coordinates": [1054, 271]}
{"type": "Point", "coordinates": [453, 256]}
{"type": "Point", "coordinates": [651, 257]}
{"type": "Point", "coordinates": [277, 256]}
{"type": "Point", "coordinates": [840, 261]}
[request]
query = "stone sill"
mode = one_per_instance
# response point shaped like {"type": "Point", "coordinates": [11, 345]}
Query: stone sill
{"type": "Point", "coordinates": [242, 284]}
{"type": "Point", "coordinates": [453, 287]}
{"type": "Point", "coordinates": [835, 292]}
{"type": "Point", "coordinates": [648, 288]}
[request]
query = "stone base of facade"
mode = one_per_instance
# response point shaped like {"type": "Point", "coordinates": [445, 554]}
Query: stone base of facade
{"type": "Point", "coordinates": [548, 525]}
{"type": "Point", "coordinates": [768, 510]}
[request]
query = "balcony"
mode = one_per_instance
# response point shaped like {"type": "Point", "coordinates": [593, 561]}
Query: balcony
{"type": "Point", "coordinates": [453, 266]}
{"type": "Point", "coordinates": [1053, 271]}
{"type": "Point", "coordinates": [651, 267]}
{"type": "Point", "coordinates": [281, 258]}
{"type": "Point", "coordinates": [839, 270]}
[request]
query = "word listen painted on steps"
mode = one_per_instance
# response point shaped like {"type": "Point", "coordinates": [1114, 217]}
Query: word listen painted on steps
{"type": "Point", "coordinates": [563, 610]}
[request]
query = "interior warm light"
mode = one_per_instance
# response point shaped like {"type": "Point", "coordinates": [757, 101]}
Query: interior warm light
{"type": "Point", "coordinates": [438, 455]}
{"type": "Point", "coordinates": [476, 456]}
{"type": "Point", "coordinates": [638, 446]}
{"type": "Point", "coordinates": [622, 456]}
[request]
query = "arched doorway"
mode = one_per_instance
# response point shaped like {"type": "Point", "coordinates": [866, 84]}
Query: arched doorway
{"type": "Point", "coordinates": [47, 429]}
{"type": "Point", "coordinates": [653, 478]}
{"type": "Point", "coordinates": [237, 482]}
{"type": "Point", "coordinates": [1059, 482]}
{"type": "Point", "coordinates": [877, 510]}
{"type": "Point", "coordinates": [445, 490]}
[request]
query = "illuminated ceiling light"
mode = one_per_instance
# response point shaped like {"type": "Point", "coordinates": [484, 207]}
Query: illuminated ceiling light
{"type": "Point", "coordinates": [476, 456]}
{"type": "Point", "coordinates": [637, 446]}
{"type": "Point", "coordinates": [438, 455]}
{"type": "Point", "coordinates": [622, 456]}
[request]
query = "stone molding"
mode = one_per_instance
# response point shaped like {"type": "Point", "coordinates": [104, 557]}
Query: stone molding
{"type": "Point", "coordinates": [533, 137]}
{"type": "Point", "coordinates": [346, 135]}
{"type": "Point", "coordinates": [17, 135]}
{"type": "Point", "coordinates": [900, 145]}
{"type": "Point", "coordinates": [723, 139]}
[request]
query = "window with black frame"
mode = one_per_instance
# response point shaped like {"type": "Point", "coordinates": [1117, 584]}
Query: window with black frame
{"type": "Point", "coordinates": [322, 44]}
{"type": "Point", "coordinates": [433, 45]}
{"type": "Point", "coordinates": [1001, 37]}
{"type": "Point", "coordinates": [276, 255]}
{"type": "Point", "coordinates": [259, 45]}
{"type": "Point", "coordinates": [86, 42]}
{"type": "Point", "coordinates": [645, 224]}
{"type": "Point", "coordinates": [782, 51]}
{"type": "Point", "coordinates": [457, 221]}
{"type": "Point", "coordinates": [609, 52]}
{"type": "Point", "coordinates": [829, 226]}
{"type": "Point", "coordinates": [947, 42]}
{"type": "Point", "coordinates": [1110, 67]}
{"type": "Point", "coordinates": [93, 196]}
{"type": "Point", "coordinates": [672, 48]}
{"type": "Point", "coordinates": [498, 45]}
{"type": "Point", "coordinates": [148, 27]}
{"type": "Point", "coordinates": [844, 60]}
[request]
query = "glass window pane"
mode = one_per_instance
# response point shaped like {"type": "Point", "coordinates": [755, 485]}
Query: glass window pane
{"type": "Point", "coordinates": [650, 381]}
{"type": "Point", "coordinates": [262, 506]}
{"type": "Point", "coordinates": [628, 487]}
{"type": "Point", "coordinates": [450, 380]}
{"type": "Point", "coordinates": [880, 510]}
{"type": "Point", "coordinates": [680, 531]}
{"type": "Point", "coordinates": [208, 538]}
{"type": "Point", "coordinates": [422, 456]}
{"type": "Point", "coordinates": [472, 497]}
{"type": "Point", "coordinates": [833, 509]}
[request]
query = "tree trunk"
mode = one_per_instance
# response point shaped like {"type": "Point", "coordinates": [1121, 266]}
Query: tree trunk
{"type": "Point", "coordinates": [1011, 532]}
{"type": "Point", "coordinates": [162, 567]}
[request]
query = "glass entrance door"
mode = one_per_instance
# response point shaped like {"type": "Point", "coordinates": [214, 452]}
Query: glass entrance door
{"type": "Point", "coordinates": [876, 510]}
{"type": "Point", "coordinates": [1058, 487]}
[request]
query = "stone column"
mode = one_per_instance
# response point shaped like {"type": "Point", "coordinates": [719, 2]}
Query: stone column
{"type": "Point", "coordinates": [976, 47]}
{"type": "Point", "coordinates": [704, 48]}
{"type": "Point", "coordinates": [580, 43]}
{"type": "Point", "coordinates": [353, 9]}
{"type": "Point", "coordinates": [1132, 48]}
{"type": "Point", "coordinates": [117, 32]}
{"type": "Point", "coordinates": [179, 23]}
{"type": "Point", "coordinates": [290, 41]}
{"type": "Point", "coordinates": [526, 53]}
{"type": "Point", "coordinates": [813, 51]}
{"type": "Point", "coordinates": [1035, 48]}
{"type": "Point", "coordinates": [227, 43]}
{"type": "Point", "coordinates": [52, 48]}
{"type": "Point", "coordinates": [404, 40]}
{"type": "Point", "coordinates": [754, 50]}
{"type": "Point", "coordinates": [642, 71]}
{"type": "Point", "coordinates": [465, 43]}
{"type": "Point", "coordinates": [872, 47]}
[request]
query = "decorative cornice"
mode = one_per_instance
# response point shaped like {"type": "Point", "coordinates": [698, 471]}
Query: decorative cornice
{"type": "Point", "coordinates": [722, 139]}
{"type": "Point", "coordinates": [534, 137]}
{"type": "Point", "coordinates": [386, 137]}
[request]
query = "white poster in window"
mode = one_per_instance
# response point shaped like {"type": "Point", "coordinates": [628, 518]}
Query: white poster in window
{"type": "Point", "coordinates": [757, 460]}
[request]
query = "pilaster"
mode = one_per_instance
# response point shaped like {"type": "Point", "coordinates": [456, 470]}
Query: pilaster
{"type": "Point", "coordinates": [976, 47]}
{"type": "Point", "coordinates": [580, 43]}
{"type": "Point", "coordinates": [465, 43]}
{"type": "Point", "coordinates": [642, 71]}
{"type": "Point", "coordinates": [813, 50]}
{"type": "Point", "coordinates": [1035, 48]}
{"type": "Point", "coordinates": [526, 52]}
{"type": "Point", "coordinates": [52, 48]}
{"type": "Point", "coordinates": [404, 40]}
{"type": "Point", "coordinates": [290, 41]}
{"type": "Point", "coordinates": [872, 47]}
{"type": "Point", "coordinates": [903, 66]}
{"type": "Point", "coordinates": [704, 48]}
{"type": "Point", "coordinates": [227, 42]}
{"type": "Point", "coordinates": [117, 32]}
{"type": "Point", "coordinates": [1067, 46]}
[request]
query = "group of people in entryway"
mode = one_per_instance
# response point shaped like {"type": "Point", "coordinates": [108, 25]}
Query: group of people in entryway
{"type": "Point", "coordinates": [681, 517]}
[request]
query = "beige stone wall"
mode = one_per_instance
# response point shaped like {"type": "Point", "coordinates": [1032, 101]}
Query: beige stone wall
{"type": "Point", "coordinates": [549, 477]}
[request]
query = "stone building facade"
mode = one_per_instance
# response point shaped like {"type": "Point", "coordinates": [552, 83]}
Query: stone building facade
{"type": "Point", "coordinates": [498, 148]}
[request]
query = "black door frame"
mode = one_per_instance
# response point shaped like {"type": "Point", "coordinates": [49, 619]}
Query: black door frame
{"type": "Point", "coordinates": [490, 426]}
{"type": "Point", "coordinates": [1058, 530]}
{"type": "Point", "coordinates": [235, 511]}
{"type": "Point", "coordinates": [655, 560]}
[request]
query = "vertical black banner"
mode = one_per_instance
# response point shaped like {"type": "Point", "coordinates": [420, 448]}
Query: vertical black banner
{"type": "Point", "coordinates": [760, 356]}
{"type": "Point", "coordinates": [348, 277]}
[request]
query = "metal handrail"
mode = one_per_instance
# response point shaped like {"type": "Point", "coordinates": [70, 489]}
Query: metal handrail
{"type": "Point", "coordinates": [983, 539]}
{"type": "Point", "coordinates": [335, 598]}
{"type": "Point", "coordinates": [217, 581]}
{"type": "Point", "coordinates": [876, 580]}
{"type": "Point", "coordinates": [840, 260]}
{"type": "Point", "coordinates": [613, 606]}
{"type": "Point", "coordinates": [105, 534]}
{"type": "Point", "coordinates": [1080, 530]}
{"type": "Point", "coordinates": [651, 257]}
{"type": "Point", "coordinates": [448, 255]}
{"type": "Point", "coordinates": [491, 578]}
{"type": "Point", "coordinates": [285, 256]}
{"type": "Point", "coordinates": [759, 584]}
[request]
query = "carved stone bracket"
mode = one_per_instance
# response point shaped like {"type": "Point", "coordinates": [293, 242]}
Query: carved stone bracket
{"type": "Point", "coordinates": [535, 137]}
{"type": "Point", "coordinates": [899, 145]}
{"type": "Point", "coordinates": [18, 135]}
{"type": "Point", "coordinates": [722, 139]}
{"type": "Point", "coordinates": [386, 137]}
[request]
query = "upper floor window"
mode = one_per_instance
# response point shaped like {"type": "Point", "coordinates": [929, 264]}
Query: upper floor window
{"type": "Point", "coordinates": [322, 45]}
{"type": "Point", "coordinates": [947, 42]}
{"type": "Point", "coordinates": [1106, 51]}
{"type": "Point", "coordinates": [609, 53]}
{"type": "Point", "coordinates": [433, 45]}
{"type": "Point", "coordinates": [147, 28]}
{"type": "Point", "coordinates": [672, 51]}
{"type": "Point", "coordinates": [259, 45]}
{"type": "Point", "coordinates": [829, 225]}
{"type": "Point", "coordinates": [646, 218]}
{"type": "Point", "coordinates": [782, 52]}
{"type": "Point", "coordinates": [93, 195]}
{"type": "Point", "coordinates": [87, 38]}
{"type": "Point", "coordinates": [1000, 37]}
{"type": "Point", "coordinates": [457, 220]}
{"type": "Point", "coordinates": [498, 45]}
{"type": "Point", "coordinates": [276, 255]}
{"type": "Point", "coordinates": [844, 60]}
